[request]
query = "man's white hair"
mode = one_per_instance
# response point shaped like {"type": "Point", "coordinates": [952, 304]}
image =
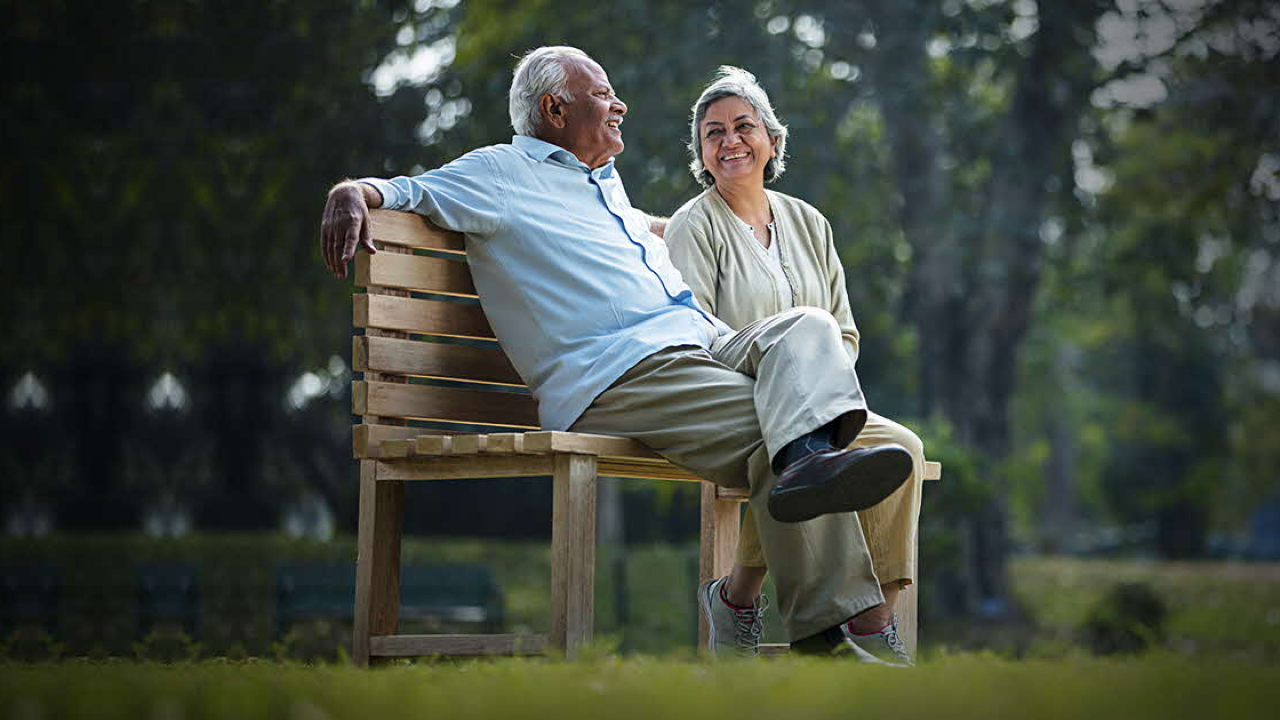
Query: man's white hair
{"type": "Point", "coordinates": [731, 81]}
{"type": "Point", "coordinates": [541, 71]}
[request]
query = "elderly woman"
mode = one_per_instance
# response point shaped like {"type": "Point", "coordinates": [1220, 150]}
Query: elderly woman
{"type": "Point", "coordinates": [749, 253]}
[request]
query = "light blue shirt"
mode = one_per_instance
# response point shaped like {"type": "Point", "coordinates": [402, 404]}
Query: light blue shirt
{"type": "Point", "coordinates": [575, 286]}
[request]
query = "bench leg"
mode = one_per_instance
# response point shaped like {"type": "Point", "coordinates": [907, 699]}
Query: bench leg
{"type": "Point", "coordinates": [573, 552]}
{"type": "Point", "coordinates": [381, 522]}
{"type": "Point", "coordinates": [720, 526]}
{"type": "Point", "coordinates": [907, 609]}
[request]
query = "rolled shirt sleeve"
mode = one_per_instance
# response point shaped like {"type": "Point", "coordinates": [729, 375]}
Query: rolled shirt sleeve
{"type": "Point", "coordinates": [468, 195]}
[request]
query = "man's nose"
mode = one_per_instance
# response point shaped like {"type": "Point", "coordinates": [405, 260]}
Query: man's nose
{"type": "Point", "coordinates": [619, 106]}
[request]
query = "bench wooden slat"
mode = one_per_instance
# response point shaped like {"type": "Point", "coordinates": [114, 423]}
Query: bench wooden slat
{"type": "Point", "coordinates": [506, 444]}
{"type": "Point", "coordinates": [621, 467]}
{"type": "Point", "coordinates": [439, 360]}
{"type": "Point", "coordinates": [457, 645]}
{"type": "Point", "coordinates": [586, 444]}
{"type": "Point", "coordinates": [434, 445]}
{"type": "Point", "coordinates": [413, 272]}
{"type": "Point", "coordinates": [932, 470]}
{"type": "Point", "coordinates": [409, 230]}
{"type": "Point", "coordinates": [473, 444]}
{"type": "Point", "coordinates": [396, 448]}
{"type": "Point", "coordinates": [426, 317]}
{"type": "Point", "coordinates": [366, 440]}
{"type": "Point", "coordinates": [425, 402]}
{"type": "Point", "coordinates": [465, 467]}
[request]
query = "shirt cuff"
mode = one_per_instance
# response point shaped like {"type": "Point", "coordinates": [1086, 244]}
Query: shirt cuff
{"type": "Point", "coordinates": [391, 199]}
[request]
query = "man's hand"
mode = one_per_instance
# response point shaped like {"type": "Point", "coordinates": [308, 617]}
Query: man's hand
{"type": "Point", "coordinates": [657, 225]}
{"type": "Point", "coordinates": [345, 226]}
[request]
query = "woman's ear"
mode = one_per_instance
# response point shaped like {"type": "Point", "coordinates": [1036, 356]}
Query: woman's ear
{"type": "Point", "coordinates": [552, 110]}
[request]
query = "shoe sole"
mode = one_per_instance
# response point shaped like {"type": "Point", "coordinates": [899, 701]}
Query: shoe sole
{"type": "Point", "coordinates": [859, 487]}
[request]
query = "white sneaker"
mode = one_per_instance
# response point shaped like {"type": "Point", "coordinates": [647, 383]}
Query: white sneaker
{"type": "Point", "coordinates": [732, 630]}
{"type": "Point", "coordinates": [885, 644]}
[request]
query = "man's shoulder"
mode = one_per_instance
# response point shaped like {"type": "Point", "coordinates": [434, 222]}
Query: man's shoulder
{"type": "Point", "coordinates": [497, 152]}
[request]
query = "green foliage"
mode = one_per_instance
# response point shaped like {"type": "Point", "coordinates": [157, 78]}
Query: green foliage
{"type": "Point", "coordinates": [1213, 609]}
{"type": "Point", "coordinates": [1128, 619]}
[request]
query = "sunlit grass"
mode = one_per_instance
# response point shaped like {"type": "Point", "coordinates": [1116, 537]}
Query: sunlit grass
{"type": "Point", "coordinates": [950, 687]}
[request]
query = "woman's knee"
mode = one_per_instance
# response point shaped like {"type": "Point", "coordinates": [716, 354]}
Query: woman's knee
{"type": "Point", "coordinates": [887, 430]}
{"type": "Point", "coordinates": [815, 319]}
{"type": "Point", "coordinates": [911, 441]}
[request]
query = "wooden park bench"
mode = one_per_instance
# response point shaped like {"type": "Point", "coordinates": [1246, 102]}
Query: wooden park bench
{"type": "Point", "coordinates": [439, 400]}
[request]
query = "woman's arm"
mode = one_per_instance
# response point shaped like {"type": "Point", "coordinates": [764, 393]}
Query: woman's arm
{"type": "Point", "coordinates": [694, 255]}
{"type": "Point", "coordinates": [839, 294]}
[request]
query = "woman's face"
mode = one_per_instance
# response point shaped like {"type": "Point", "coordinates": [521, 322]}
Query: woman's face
{"type": "Point", "coordinates": [735, 145]}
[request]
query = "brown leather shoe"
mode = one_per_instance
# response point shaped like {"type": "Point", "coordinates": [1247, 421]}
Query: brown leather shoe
{"type": "Point", "coordinates": [833, 481]}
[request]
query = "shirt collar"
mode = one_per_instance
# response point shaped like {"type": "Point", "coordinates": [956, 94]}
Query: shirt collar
{"type": "Point", "coordinates": [541, 150]}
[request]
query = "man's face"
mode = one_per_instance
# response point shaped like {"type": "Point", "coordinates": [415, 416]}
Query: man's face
{"type": "Point", "coordinates": [592, 121]}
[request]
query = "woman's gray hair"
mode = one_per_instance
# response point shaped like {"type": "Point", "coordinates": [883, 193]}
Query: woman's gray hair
{"type": "Point", "coordinates": [735, 82]}
{"type": "Point", "coordinates": [541, 71]}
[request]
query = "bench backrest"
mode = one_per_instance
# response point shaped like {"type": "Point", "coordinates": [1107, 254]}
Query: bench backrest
{"type": "Point", "coordinates": [427, 352]}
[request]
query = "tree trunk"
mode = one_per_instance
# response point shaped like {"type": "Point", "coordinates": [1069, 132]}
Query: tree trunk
{"type": "Point", "coordinates": [970, 295]}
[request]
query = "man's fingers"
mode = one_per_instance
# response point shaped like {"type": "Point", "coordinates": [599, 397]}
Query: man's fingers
{"type": "Point", "coordinates": [325, 246]}
{"type": "Point", "coordinates": [329, 238]}
{"type": "Point", "coordinates": [349, 248]}
{"type": "Point", "coordinates": [366, 235]}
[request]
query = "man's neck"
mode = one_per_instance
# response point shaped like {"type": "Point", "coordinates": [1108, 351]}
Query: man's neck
{"type": "Point", "coordinates": [591, 162]}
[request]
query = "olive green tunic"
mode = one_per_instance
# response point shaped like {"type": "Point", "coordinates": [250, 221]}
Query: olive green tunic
{"type": "Point", "coordinates": [725, 269]}
{"type": "Point", "coordinates": [730, 278]}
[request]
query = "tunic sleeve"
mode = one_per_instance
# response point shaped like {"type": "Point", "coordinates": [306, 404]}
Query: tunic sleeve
{"type": "Point", "coordinates": [695, 256]}
{"type": "Point", "coordinates": [839, 294]}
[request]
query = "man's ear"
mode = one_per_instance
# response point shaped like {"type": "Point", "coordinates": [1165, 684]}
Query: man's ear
{"type": "Point", "coordinates": [552, 110]}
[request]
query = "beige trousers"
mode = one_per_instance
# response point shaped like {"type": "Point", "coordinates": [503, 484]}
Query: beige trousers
{"type": "Point", "coordinates": [723, 413]}
{"type": "Point", "coordinates": [890, 527]}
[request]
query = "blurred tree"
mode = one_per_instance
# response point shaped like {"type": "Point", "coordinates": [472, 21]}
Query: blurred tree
{"type": "Point", "coordinates": [165, 166]}
{"type": "Point", "coordinates": [1195, 231]}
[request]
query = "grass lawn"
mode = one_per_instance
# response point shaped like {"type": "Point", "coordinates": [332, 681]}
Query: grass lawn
{"type": "Point", "coordinates": [1220, 658]}
{"type": "Point", "coordinates": [961, 686]}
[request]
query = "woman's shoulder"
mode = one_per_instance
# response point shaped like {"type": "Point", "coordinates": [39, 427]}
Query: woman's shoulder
{"type": "Point", "coordinates": [699, 205]}
{"type": "Point", "coordinates": [796, 208]}
{"type": "Point", "coordinates": [694, 216]}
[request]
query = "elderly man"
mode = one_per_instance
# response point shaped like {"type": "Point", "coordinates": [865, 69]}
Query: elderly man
{"type": "Point", "coordinates": [610, 340]}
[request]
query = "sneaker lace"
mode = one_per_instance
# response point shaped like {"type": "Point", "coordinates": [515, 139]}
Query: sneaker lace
{"type": "Point", "coordinates": [747, 627]}
{"type": "Point", "coordinates": [894, 640]}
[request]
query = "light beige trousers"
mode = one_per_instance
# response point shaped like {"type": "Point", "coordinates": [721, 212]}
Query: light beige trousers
{"type": "Point", "coordinates": [890, 527]}
{"type": "Point", "coordinates": [723, 413]}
